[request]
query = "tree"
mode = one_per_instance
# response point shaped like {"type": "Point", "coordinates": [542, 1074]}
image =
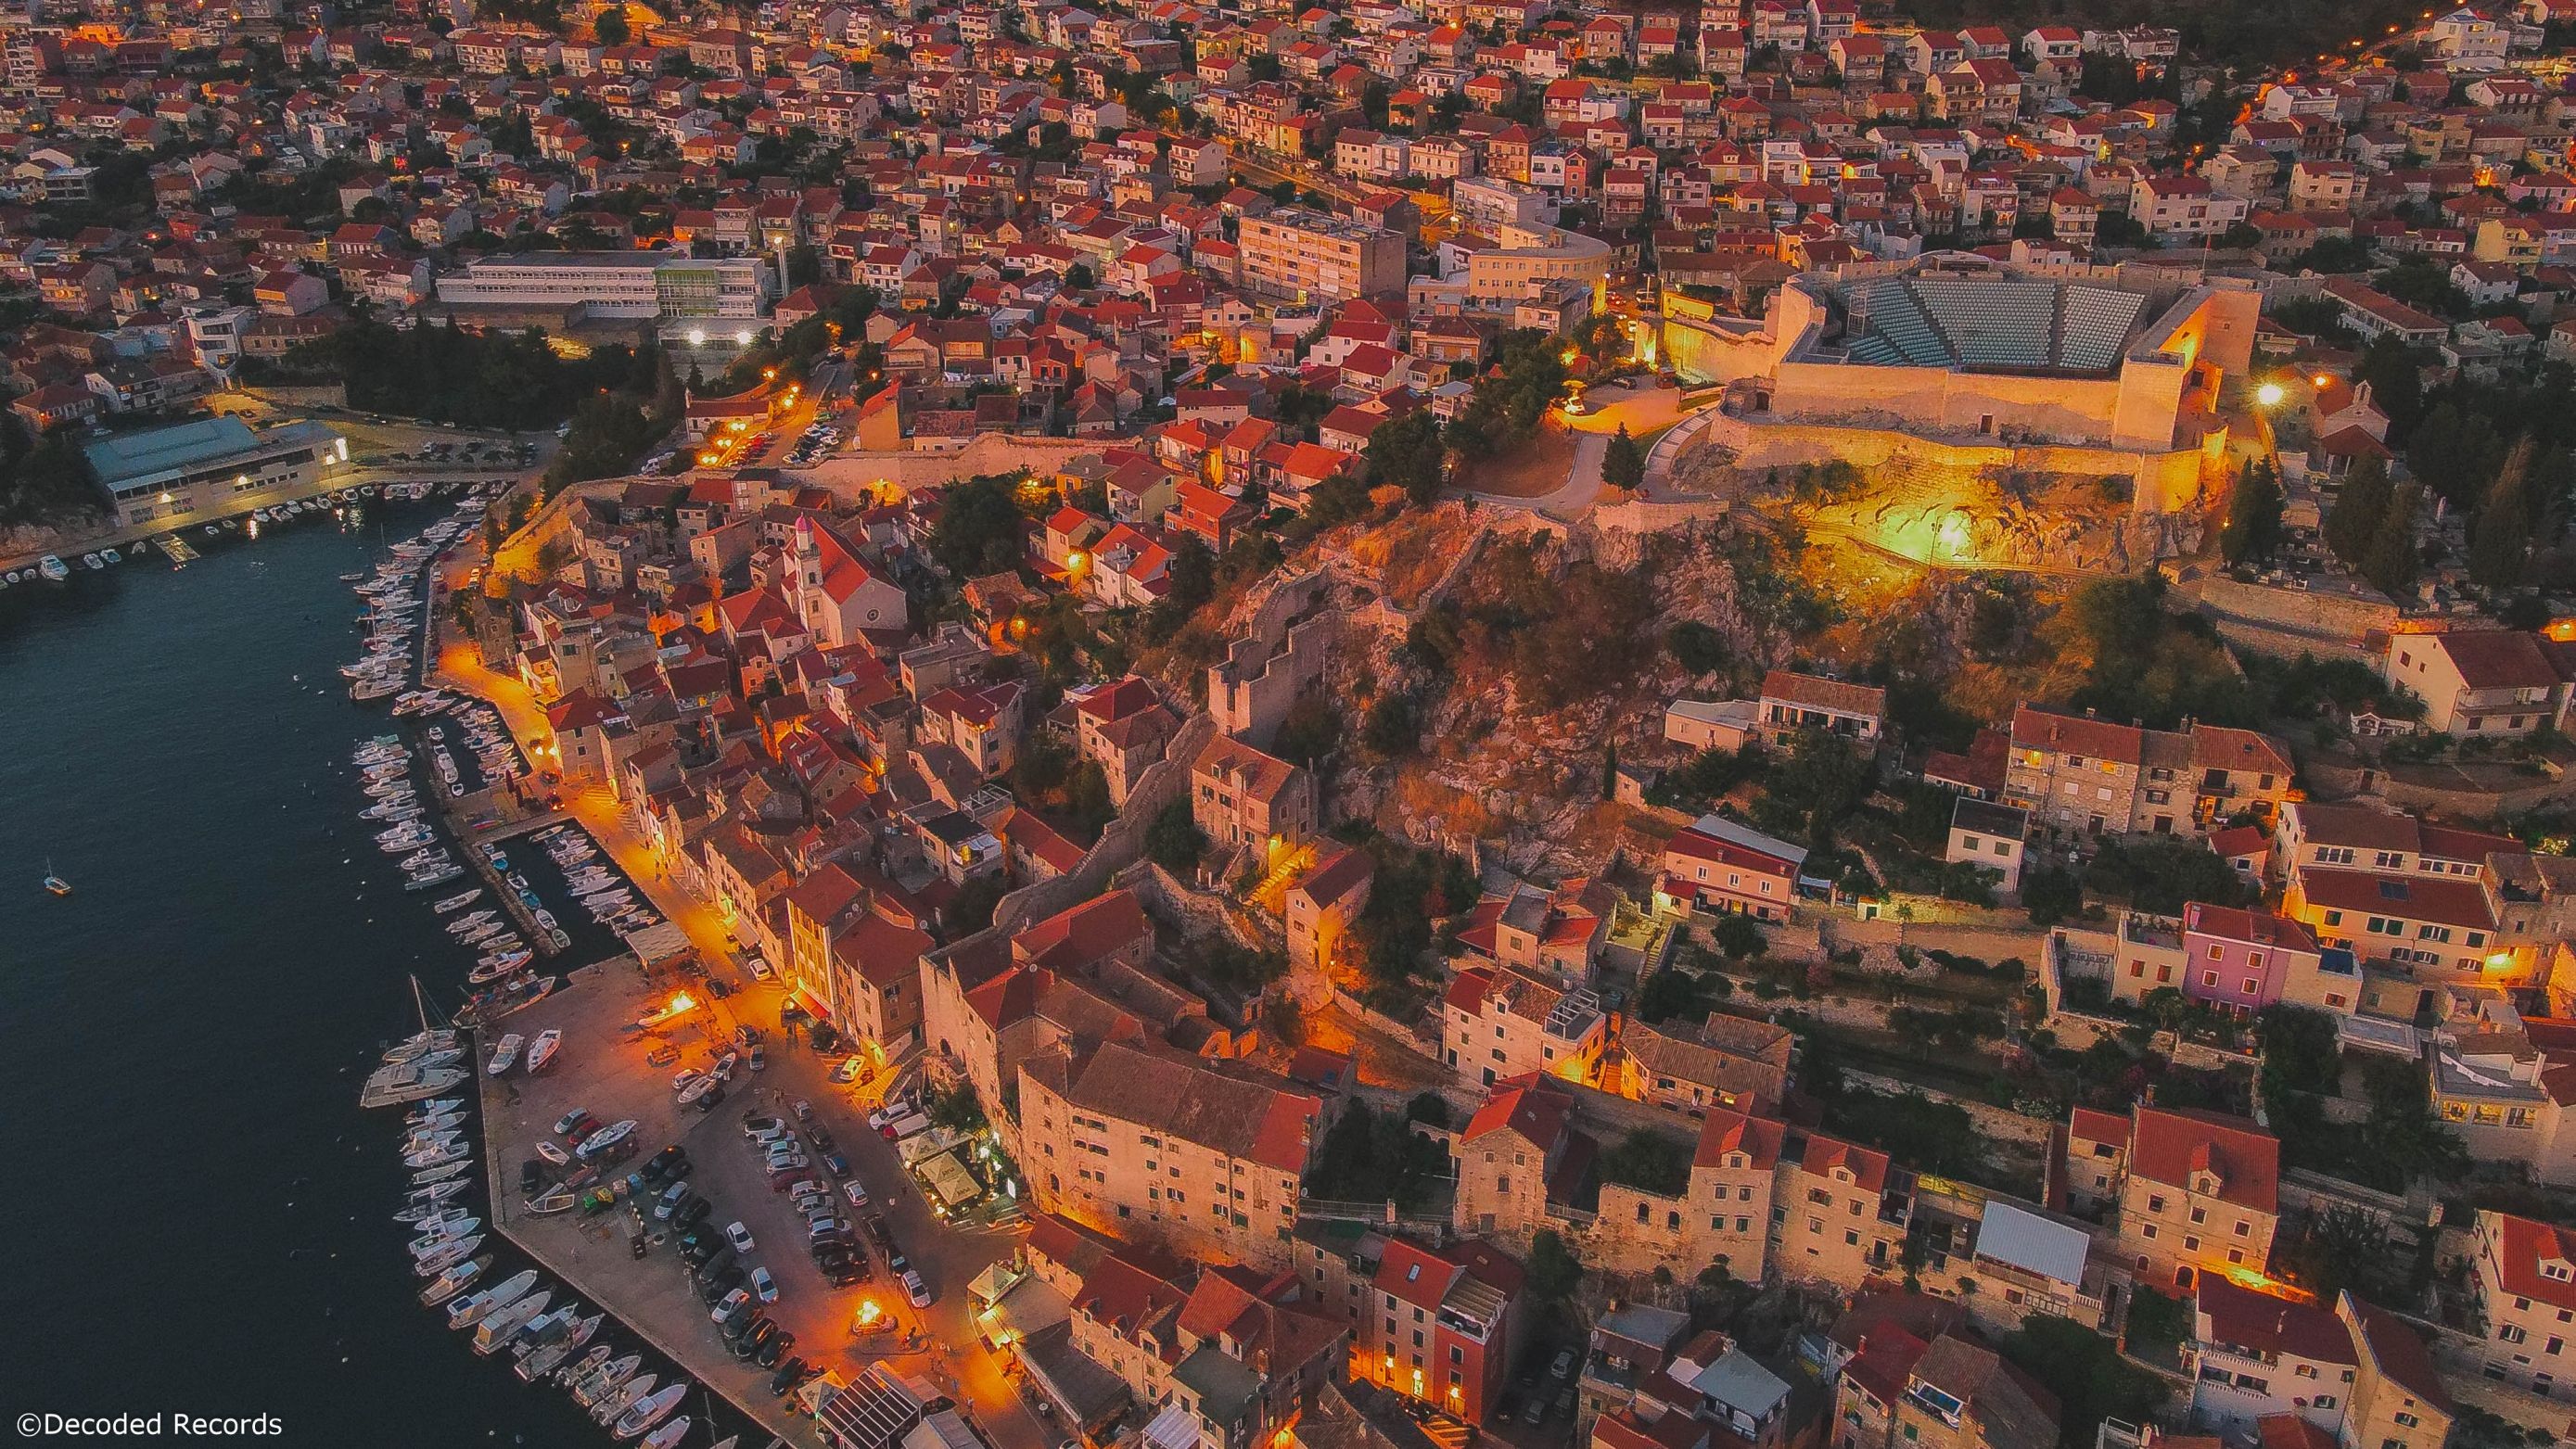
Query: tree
{"type": "Point", "coordinates": [2358, 508]}
{"type": "Point", "coordinates": [979, 529]}
{"type": "Point", "coordinates": [1623, 465]}
{"type": "Point", "coordinates": [2500, 535]}
{"type": "Point", "coordinates": [1079, 278]}
{"type": "Point", "coordinates": [2253, 528]}
{"type": "Point", "coordinates": [1554, 1271]}
{"type": "Point", "coordinates": [1697, 647]}
{"type": "Point", "coordinates": [1674, 992]}
{"type": "Point", "coordinates": [2396, 382]}
{"type": "Point", "coordinates": [2050, 895]}
{"type": "Point", "coordinates": [2391, 564]}
{"type": "Point", "coordinates": [2085, 1371]}
{"type": "Point", "coordinates": [1408, 453]}
{"type": "Point", "coordinates": [1174, 839]}
{"type": "Point", "coordinates": [971, 909]}
{"type": "Point", "coordinates": [1737, 937]}
{"type": "Point", "coordinates": [2337, 1249]}
{"type": "Point", "coordinates": [612, 27]}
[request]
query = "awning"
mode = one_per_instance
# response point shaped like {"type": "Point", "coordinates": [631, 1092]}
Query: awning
{"type": "Point", "coordinates": [812, 1004]}
{"type": "Point", "coordinates": [1173, 1428]}
{"type": "Point", "coordinates": [947, 1180]}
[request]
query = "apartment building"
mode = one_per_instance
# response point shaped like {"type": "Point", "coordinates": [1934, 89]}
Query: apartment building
{"type": "Point", "coordinates": [1949, 1393]}
{"type": "Point", "coordinates": [2078, 773]}
{"type": "Point", "coordinates": [2522, 1276]}
{"type": "Point", "coordinates": [2004, 1259]}
{"type": "Point", "coordinates": [1144, 1143]}
{"type": "Point", "coordinates": [2245, 960]}
{"type": "Point", "coordinates": [681, 292]}
{"type": "Point", "coordinates": [1443, 1326]}
{"type": "Point", "coordinates": [1838, 1215]}
{"type": "Point", "coordinates": [2252, 1355]}
{"type": "Point", "coordinates": [1554, 934]}
{"type": "Point", "coordinates": [1715, 864]}
{"type": "Point", "coordinates": [1312, 257]}
{"type": "Point", "coordinates": [1497, 1022]}
{"type": "Point", "coordinates": [1721, 1064]}
{"type": "Point", "coordinates": [2507, 1086]}
{"type": "Point", "coordinates": [2398, 1401]}
{"type": "Point", "coordinates": [2482, 681]}
{"type": "Point", "coordinates": [1792, 703]}
{"type": "Point", "coordinates": [2194, 1190]}
{"type": "Point", "coordinates": [1249, 804]}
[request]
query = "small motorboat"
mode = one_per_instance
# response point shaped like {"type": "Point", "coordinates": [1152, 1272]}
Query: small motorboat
{"type": "Point", "coordinates": [648, 1411]}
{"type": "Point", "coordinates": [669, 1434]}
{"type": "Point", "coordinates": [605, 1380]}
{"type": "Point", "coordinates": [583, 1367]}
{"type": "Point", "coordinates": [505, 1054]}
{"type": "Point", "coordinates": [454, 1280]}
{"type": "Point", "coordinates": [541, 1052]}
{"type": "Point", "coordinates": [609, 1405]}
{"type": "Point", "coordinates": [698, 1087]}
{"type": "Point", "coordinates": [605, 1138]}
{"type": "Point", "coordinates": [471, 1310]}
{"type": "Point", "coordinates": [551, 1201]}
{"type": "Point", "coordinates": [447, 1257]}
{"type": "Point", "coordinates": [548, 1149]}
{"type": "Point", "coordinates": [434, 1176]}
{"type": "Point", "coordinates": [447, 1187]}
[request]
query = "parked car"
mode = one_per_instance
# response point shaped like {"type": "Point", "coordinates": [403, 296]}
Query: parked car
{"type": "Point", "coordinates": [732, 1303]}
{"type": "Point", "coordinates": [915, 1289]}
{"type": "Point", "coordinates": [739, 1236]}
{"type": "Point", "coordinates": [763, 1286]}
{"type": "Point", "coordinates": [762, 1128]}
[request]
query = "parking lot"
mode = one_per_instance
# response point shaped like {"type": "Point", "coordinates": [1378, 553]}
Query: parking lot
{"type": "Point", "coordinates": [607, 1070]}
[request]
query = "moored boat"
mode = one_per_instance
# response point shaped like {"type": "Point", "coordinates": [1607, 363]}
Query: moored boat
{"type": "Point", "coordinates": [505, 1054]}
{"type": "Point", "coordinates": [541, 1052]}
{"type": "Point", "coordinates": [473, 1309]}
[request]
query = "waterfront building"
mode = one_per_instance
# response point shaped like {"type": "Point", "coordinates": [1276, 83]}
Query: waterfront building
{"type": "Point", "coordinates": [211, 467]}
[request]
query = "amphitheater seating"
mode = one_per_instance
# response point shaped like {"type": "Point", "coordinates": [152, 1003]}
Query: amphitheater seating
{"type": "Point", "coordinates": [2094, 325]}
{"type": "Point", "coordinates": [1995, 324]}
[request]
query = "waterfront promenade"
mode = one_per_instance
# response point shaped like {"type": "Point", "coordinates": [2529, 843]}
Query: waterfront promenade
{"type": "Point", "coordinates": [939, 1343]}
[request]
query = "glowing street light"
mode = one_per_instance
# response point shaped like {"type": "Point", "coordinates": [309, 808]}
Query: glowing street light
{"type": "Point", "coordinates": [2269, 394]}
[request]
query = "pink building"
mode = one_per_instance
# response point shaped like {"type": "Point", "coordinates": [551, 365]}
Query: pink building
{"type": "Point", "coordinates": [2243, 959]}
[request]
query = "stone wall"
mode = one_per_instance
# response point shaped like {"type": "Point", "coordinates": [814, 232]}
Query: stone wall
{"type": "Point", "coordinates": [1999, 1123]}
{"type": "Point", "coordinates": [2330, 618]}
{"type": "Point", "coordinates": [852, 474]}
{"type": "Point", "coordinates": [2164, 481]}
{"type": "Point", "coordinates": [1119, 846]}
{"type": "Point", "coordinates": [1274, 661]}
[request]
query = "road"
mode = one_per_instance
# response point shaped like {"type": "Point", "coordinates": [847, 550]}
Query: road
{"type": "Point", "coordinates": [950, 1353]}
{"type": "Point", "coordinates": [1582, 484]}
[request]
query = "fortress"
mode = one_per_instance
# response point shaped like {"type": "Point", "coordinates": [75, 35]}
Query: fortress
{"type": "Point", "coordinates": [1957, 348]}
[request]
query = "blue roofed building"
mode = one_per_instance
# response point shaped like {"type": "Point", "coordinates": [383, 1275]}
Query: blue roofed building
{"type": "Point", "coordinates": [210, 468]}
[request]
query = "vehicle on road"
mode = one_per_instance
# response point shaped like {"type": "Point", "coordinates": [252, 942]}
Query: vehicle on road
{"type": "Point", "coordinates": [915, 1289]}
{"type": "Point", "coordinates": [763, 1286]}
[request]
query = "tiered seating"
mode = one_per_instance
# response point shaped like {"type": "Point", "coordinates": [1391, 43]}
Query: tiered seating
{"type": "Point", "coordinates": [1992, 323]}
{"type": "Point", "coordinates": [1897, 318]}
{"type": "Point", "coordinates": [2095, 325]}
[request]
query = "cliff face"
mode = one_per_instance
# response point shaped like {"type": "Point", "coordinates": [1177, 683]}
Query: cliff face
{"type": "Point", "coordinates": [1999, 520]}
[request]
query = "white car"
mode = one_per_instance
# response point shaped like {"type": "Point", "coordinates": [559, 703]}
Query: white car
{"type": "Point", "coordinates": [849, 1069]}
{"type": "Point", "coordinates": [763, 1286]}
{"type": "Point", "coordinates": [739, 1236]}
{"type": "Point", "coordinates": [913, 1288]}
{"type": "Point", "coordinates": [732, 1303]}
{"type": "Point", "coordinates": [758, 968]}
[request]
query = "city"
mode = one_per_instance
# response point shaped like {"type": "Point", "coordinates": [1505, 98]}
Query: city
{"type": "Point", "coordinates": [1215, 725]}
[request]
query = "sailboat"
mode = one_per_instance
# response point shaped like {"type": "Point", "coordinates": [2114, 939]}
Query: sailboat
{"type": "Point", "coordinates": [410, 1081]}
{"type": "Point", "coordinates": [55, 883]}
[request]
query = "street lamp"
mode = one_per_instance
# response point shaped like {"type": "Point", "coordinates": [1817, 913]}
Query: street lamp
{"type": "Point", "coordinates": [2268, 395]}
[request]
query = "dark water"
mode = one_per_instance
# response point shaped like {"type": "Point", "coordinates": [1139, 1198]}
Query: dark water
{"type": "Point", "coordinates": [199, 1212]}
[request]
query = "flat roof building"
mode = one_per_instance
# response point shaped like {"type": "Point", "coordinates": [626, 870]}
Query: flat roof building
{"type": "Point", "coordinates": [688, 298]}
{"type": "Point", "coordinates": [213, 466]}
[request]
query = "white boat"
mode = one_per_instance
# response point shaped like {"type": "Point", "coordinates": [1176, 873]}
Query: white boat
{"type": "Point", "coordinates": [454, 1280]}
{"type": "Point", "coordinates": [437, 1176]}
{"type": "Point", "coordinates": [669, 1434]}
{"type": "Point", "coordinates": [604, 1139]}
{"type": "Point", "coordinates": [53, 568]}
{"type": "Point", "coordinates": [447, 1257]}
{"type": "Point", "coordinates": [505, 1055]}
{"type": "Point", "coordinates": [467, 1312]}
{"type": "Point", "coordinates": [586, 1365]}
{"type": "Point", "coordinates": [606, 1380]}
{"type": "Point", "coordinates": [698, 1087]}
{"type": "Point", "coordinates": [91, 560]}
{"type": "Point", "coordinates": [648, 1411]}
{"type": "Point", "coordinates": [407, 1082]}
{"type": "Point", "coordinates": [541, 1052]}
{"type": "Point", "coordinates": [548, 1149]}
{"type": "Point", "coordinates": [504, 1325]}
{"type": "Point", "coordinates": [437, 1157]}
{"type": "Point", "coordinates": [446, 1235]}
{"type": "Point", "coordinates": [413, 1048]}
{"type": "Point", "coordinates": [111, 555]}
{"type": "Point", "coordinates": [459, 901]}
{"type": "Point", "coordinates": [608, 1406]}
{"type": "Point", "coordinates": [557, 1199]}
